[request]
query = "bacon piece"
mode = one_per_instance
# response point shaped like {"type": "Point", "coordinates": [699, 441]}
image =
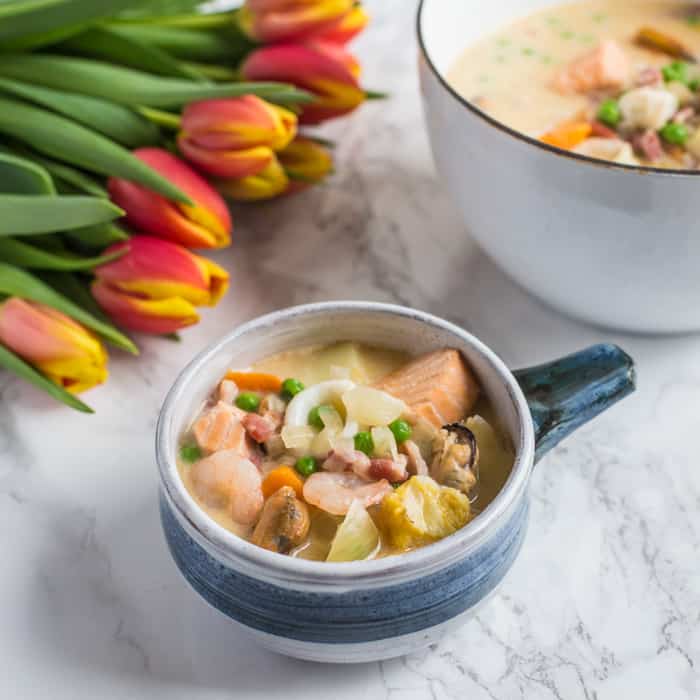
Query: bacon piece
{"type": "Point", "coordinates": [649, 145]}
{"type": "Point", "coordinates": [340, 460]}
{"type": "Point", "coordinates": [385, 468]}
{"type": "Point", "coordinates": [258, 427]}
{"type": "Point", "coordinates": [598, 129]}
{"type": "Point", "coordinates": [650, 75]}
{"type": "Point", "coordinates": [684, 115]}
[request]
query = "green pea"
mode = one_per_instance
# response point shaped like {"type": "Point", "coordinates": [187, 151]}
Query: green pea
{"type": "Point", "coordinates": [306, 466]}
{"type": "Point", "coordinates": [291, 387]}
{"type": "Point", "coordinates": [676, 71]}
{"type": "Point", "coordinates": [401, 429]}
{"type": "Point", "coordinates": [676, 134]}
{"type": "Point", "coordinates": [364, 443]}
{"type": "Point", "coordinates": [190, 453]}
{"type": "Point", "coordinates": [609, 113]}
{"type": "Point", "coordinates": [694, 85]}
{"type": "Point", "coordinates": [247, 401]}
{"type": "Point", "coordinates": [314, 419]}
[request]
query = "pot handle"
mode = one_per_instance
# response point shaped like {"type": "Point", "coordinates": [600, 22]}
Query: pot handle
{"type": "Point", "coordinates": [566, 393]}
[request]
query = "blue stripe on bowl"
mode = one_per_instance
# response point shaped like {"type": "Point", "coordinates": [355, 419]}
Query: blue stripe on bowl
{"type": "Point", "coordinates": [362, 615]}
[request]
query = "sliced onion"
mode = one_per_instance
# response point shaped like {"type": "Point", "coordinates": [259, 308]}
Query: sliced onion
{"type": "Point", "coordinates": [368, 406]}
{"type": "Point", "coordinates": [330, 418]}
{"type": "Point", "coordinates": [322, 443]}
{"type": "Point", "coordinates": [384, 443]}
{"type": "Point", "coordinates": [297, 436]}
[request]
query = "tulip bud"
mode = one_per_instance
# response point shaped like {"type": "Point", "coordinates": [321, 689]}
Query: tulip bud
{"type": "Point", "coordinates": [204, 224]}
{"type": "Point", "coordinates": [324, 69]}
{"type": "Point", "coordinates": [156, 285]}
{"type": "Point", "coordinates": [347, 27]}
{"type": "Point", "coordinates": [64, 351]}
{"type": "Point", "coordinates": [306, 163]}
{"type": "Point", "coordinates": [267, 184]}
{"type": "Point", "coordinates": [234, 137]}
{"type": "Point", "coordinates": [270, 21]}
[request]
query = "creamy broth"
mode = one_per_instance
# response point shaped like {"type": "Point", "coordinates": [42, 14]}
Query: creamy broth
{"type": "Point", "coordinates": [509, 75]}
{"type": "Point", "coordinates": [363, 365]}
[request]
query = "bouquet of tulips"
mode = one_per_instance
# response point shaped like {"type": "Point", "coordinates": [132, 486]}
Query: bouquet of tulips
{"type": "Point", "coordinates": [123, 126]}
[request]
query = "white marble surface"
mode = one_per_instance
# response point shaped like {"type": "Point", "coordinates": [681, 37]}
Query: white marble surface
{"type": "Point", "coordinates": [604, 602]}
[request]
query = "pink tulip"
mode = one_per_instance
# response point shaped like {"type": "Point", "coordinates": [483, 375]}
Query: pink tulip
{"type": "Point", "coordinates": [61, 349]}
{"type": "Point", "coordinates": [234, 137]}
{"type": "Point", "coordinates": [156, 285]}
{"type": "Point", "coordinates": [204, 224]}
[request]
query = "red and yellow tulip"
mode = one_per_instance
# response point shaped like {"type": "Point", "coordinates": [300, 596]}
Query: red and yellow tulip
{"type": "Point", "coordinates": [270, 21]}
{"type": "Point", "coordinates": [324, 69]}
{"type": "Point", "coordinates": [204, 224]}
{"type": "Point", "coordinates": [234, 137]}
{"type": "Point", "coordinates": [306, 162]}
{"type": "Point", "coordinates": [64, 351]}
{"type": "Point", "coordinates": [347, 27]}
{"type": "Point", "coordinates": [156, 285]}
{"type": "Point", "coordinates": [267, 184]}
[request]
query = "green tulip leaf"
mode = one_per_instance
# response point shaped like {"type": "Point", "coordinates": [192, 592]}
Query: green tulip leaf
{"type": "Point", "coordinates": [21, 176]}
{"type": "Point", "coordinates": [17, 282]}
{"type": "Point", "coordinates": [99, 236]}
{"type": "Point", "coordinates": [114, 45]}
{"type": "Point", "coordinates": [64, 139]}
{"type": "Point", "coordinates": [114, 121]}
{"type": "Point", "coordinates": [128, 86]}
{"type": "Point", "coordinates": [76, 289]}
{"type": "Point", "coordinates": [29, 214]}
{"type": "Point", "coordinates": [190, 44]}
{"type": "Point", "coordinates": [78, 180]}
{"type": "Point", "coordinates": [19, 367]}
{"type": "Point", "coordinates": [34, 23]}
{"type": "Point", "coordinates": [29, 256]}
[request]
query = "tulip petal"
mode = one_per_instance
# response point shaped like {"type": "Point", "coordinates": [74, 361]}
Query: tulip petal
{"type": "Point", "coordinates": [267, 184]}
{"type": "Point", "coordinates": [62, 349]}
{"type": "Point", "coordinates": [158, 316]}
{"type": "Point", "coordinates": [324, 69]}
{"type": "Point", "coordinates": [227, 163]}
{"type": "Point", "coordinates": [206, 224]}
{"type": "Point", "coordinates": [156, 269]}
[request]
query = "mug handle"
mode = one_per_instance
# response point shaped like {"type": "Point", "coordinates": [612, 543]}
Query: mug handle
{"type": "Point", "coordinates": [566, 393]}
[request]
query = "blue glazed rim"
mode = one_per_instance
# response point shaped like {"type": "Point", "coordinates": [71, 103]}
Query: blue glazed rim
{"type": "Point", "coordinates": [231, 550]}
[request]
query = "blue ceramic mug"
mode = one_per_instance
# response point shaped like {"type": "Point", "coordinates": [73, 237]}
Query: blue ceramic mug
{"type": "Point", "coordinates": [370, 610]}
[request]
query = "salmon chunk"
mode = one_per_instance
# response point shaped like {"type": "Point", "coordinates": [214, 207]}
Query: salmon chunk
{"type": "Point", "coordinates": [438, 387]}
{"type": "Point", "coordinates": [220, 428]}
{"type": "Point", "coordinates": [606, 66]}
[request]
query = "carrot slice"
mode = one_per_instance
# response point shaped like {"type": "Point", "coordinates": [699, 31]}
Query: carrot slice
{"type": "Point", "coordinates": [256, 381]}
{"type": "Point", "coordinates": [282, 476]}
{"type": "Point", "coordinates": [568, 135]}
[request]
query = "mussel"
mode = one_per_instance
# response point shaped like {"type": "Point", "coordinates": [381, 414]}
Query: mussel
{"type": "Point", "coordinates": [284, 523]}
{"type": "Point", "coordinates": [455, 458]}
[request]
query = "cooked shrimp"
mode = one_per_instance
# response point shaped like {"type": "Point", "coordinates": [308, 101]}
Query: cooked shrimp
{"type": "Point", "coordinates": [334, 492]}
{"type": "Point", "coordinates": [247, 498]}
{"type": "Point", "coordinates": [227, 480]}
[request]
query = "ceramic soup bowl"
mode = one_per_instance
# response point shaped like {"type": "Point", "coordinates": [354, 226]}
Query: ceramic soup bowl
{"type": "Point", "coordinates": [612, 244]}
{"type": "Point", "coordinates": [369, 610]}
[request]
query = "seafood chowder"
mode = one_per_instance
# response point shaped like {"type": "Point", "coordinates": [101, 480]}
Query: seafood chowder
{"type": "Point", "coordinates": [346, 452]}
{"type": "Point", "coordinates": [615, 80]}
